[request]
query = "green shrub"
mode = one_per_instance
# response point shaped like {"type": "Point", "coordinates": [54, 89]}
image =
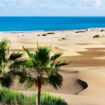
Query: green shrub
{"type": "Point", "coordinates": [9, 97]}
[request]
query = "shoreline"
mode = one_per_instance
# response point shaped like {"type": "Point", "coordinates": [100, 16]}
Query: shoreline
{"type": "Point", "coordinates": [34, 31]}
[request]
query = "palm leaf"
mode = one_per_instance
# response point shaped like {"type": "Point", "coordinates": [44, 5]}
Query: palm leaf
{"type": "Point", "coordinates": [4, 50]}
{"type": "Point", "coordinates": [61, 63]}
{"type": "Point", "coordinates": [22, 77]}
{"type": "Point", "coordinates": [28, 52]}
{"type": "Point", "coordinates": [15, 56]}
{"type": "Point", "coordinates": [6, 81]}
{"type": "Point", "coordinates": [17, 64]}
{"type": "Point", "coordinates": [42, 55]}
{"type": "Point", "coordinates": [55, 80]}
{"type": "Point", "coordinates": [55, 56]}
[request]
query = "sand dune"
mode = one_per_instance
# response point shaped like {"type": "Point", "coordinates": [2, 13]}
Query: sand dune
{"type": "Point", "coordinates": [87, 62]}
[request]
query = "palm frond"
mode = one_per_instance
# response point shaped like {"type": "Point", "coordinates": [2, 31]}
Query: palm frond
{"type": "Point", "coordinates": [55, 80]}
{"type": "Point", "coordinates": [4, 44]}
{"type": "Point", "coordinates": [42, 55]}
{"type": "Point", "coordinates": [6, 81]}
{"type": "Point", "coordinates": [4, 67]}
{"type": "Point", "coordinates": [15, 56]}
{"type": "Point", "coordinates": [28, 52]}
{"type": "Point", "coordinates": [61, 63]}
{"type": "Point", "coordinates": [55, 56]}
{"type": "Point", "coordinates": [22, 77]}
{"type": "Point", "coordinates": [29, 63]}
{"type": "Point", "coordinates": [17, 64]}
{"type": "Point", "coordinates": [54, 68]}
{"type": "Point", "coordinates": [4, 50]}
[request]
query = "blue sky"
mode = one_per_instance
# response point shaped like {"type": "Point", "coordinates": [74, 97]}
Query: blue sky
{"type": "Point", "coordinates": [52, 7]}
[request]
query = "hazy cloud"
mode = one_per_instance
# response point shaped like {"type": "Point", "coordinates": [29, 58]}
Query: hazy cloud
{"type": "Point", "coordinates": [54, 3]}
{"type": "Point", "coordinates": [54, 7]}
{"type": "Point", "coordinates": [93, 2]}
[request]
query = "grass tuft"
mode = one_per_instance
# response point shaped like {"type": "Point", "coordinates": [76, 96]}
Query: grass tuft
{"type": "Point", "coordinates": [9, 97]}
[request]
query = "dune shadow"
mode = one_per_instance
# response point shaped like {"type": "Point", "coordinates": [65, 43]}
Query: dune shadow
{"type": "Point", "coordinates": [87, 58]}
{"type": "Point", "coordinates": [83, 84]}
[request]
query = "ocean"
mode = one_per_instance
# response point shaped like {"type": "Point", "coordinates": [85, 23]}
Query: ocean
{"type": "Point", "coordinates": [31, 24]}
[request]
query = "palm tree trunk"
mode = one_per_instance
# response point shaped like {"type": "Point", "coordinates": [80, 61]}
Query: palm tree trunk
{"type": "Point", "coordinates": [38, 97]}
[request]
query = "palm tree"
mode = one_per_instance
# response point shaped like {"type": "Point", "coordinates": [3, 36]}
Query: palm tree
{"type": "Point", "coordinates": [8, 64]}
{"type": "Point", "coordinates": [42, 69]}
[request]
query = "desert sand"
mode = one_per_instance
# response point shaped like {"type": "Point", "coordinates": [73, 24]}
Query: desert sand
{"type": "Point", "coordinates": [86, 57]}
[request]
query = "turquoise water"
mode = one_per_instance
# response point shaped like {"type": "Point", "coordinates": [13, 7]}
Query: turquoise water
{"type": "Point", "coordinates": [22, 24]}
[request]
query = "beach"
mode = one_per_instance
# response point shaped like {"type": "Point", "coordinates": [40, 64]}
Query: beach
{"type": "Point", "coordinates": [84, 50]}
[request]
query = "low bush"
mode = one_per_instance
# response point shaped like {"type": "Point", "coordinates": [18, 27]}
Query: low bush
{"type": "Point", "coordinates": [9, 97]}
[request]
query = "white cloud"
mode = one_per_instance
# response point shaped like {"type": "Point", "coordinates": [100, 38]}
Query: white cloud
{"type": "Point", "coordinates": [93, 2]}
{"type": "Point", "coordinates": [52, 7]}
{"type": "Point", "coordinates": [60, 4]}
{"type": "Point", "coordinates": [26, 3]}
{"type": "Point", "coordinates": [18, 3]}
{"type": "Point", "coordinates": [98, 3]}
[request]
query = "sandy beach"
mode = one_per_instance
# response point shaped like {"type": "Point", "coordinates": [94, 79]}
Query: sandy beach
{"type": "Point", "coordinates": [85, 52]}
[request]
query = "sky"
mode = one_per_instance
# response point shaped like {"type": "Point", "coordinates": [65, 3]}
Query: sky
{"type": "Point", "coordinates": [52, 7]}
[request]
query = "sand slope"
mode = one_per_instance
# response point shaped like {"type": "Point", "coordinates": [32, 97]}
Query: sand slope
{"type": "Point", "coordinates": [87, 62]}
